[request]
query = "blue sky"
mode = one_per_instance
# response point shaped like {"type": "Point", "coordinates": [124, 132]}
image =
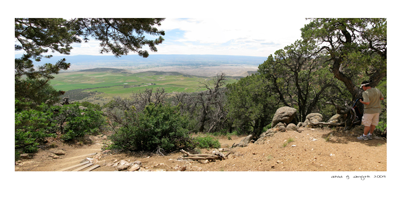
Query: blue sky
{"type": "Point", "coordinates": [218, 36]}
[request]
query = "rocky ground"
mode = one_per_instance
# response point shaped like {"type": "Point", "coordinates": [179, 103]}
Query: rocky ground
{"type": "Point", "coordinates": [310, 149]}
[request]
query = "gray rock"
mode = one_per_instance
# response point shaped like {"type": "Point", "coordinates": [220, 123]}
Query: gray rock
{"type": "Point", "coordinates": [137, 162]}
{"type": "Point", "coordinates": [281, 129]}
{"type": "Point", "coordinates": [291, 127]}
{"type": "Point", "coordinates": [280, 124]}
{"type": "Point", "coordinates": [123, 165]}
{"type": "Point", "coordinates": [263, 137]}
{"type": "Point", "coordinates": [314, 118]}
{"type": "Point", "coordinates": [24, 156]}
{"type": "Point", "coordinates": [54, 156]}
{"type": "Point", "coordinates": [134, 167]}
{"type": "Point", "coordinates": [245, 141]}
{"type": "Point", "coordinates": [59, 152]}
{"type": "Point", "coordinates": [337, 118]}
{"type": "Point", "coordinates": [284, 114]}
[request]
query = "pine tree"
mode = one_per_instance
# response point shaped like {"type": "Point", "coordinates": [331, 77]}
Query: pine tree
{"type": "Point", "coordinates": [37, 36]}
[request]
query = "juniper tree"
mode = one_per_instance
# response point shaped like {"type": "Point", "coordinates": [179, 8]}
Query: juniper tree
{"type": "Point", "coordinates": [299, 76]}
{"type": "Point", "coordinates": [357, 48]}
{"type": "Point", "coordinates": [252, 103]}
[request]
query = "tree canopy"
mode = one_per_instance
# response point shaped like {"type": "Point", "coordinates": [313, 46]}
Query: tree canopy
{"type": "Point", "coordinates": [357, 48]}
{"type": "Point", "coordinates": [38, 36]}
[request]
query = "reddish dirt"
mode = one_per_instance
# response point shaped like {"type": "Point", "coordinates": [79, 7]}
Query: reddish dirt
{"type": "Point", "coordinates": [319, 149]}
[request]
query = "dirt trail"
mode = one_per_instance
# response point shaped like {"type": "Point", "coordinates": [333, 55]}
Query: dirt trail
{"type": "Point", "coordinates": [74, 154]}
{"type": "Point", "coordinates": [311, 150]}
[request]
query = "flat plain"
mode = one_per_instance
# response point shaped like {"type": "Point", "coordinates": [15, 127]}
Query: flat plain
{"type": "Point", "coordinates": [104, 85]}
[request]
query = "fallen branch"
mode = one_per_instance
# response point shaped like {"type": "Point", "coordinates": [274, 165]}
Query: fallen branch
{"type": "Point", "coordinates": [216, 155]}
{"type": "Point", "coordinates": [327, 123]}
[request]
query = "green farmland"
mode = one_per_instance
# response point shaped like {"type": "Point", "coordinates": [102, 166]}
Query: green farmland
{"type": "Point", "coordinates": [104, 85]}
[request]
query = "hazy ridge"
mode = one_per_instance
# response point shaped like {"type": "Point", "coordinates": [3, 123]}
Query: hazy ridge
{"type": "Point", "coordinates": [199, 65]}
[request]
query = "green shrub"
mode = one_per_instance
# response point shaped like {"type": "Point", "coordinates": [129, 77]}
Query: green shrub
{"type": "Point", "coordinates": [157, 127]}
{"type": "Point", "coordinates": [88, 104]}
{"type": "Point", "coordinates": [31, 128]}
{"type": "Point", "coordinates": [78, 122]}
{"type": "Point", "coordinates": [381, 127]}
{"type": "Point", "coordinates": [207, 142]}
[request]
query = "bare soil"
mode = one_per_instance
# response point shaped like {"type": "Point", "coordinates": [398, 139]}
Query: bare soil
{"type": "Point", "coordinates": [318, 149]}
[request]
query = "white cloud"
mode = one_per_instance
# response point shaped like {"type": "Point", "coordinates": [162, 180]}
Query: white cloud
{"type": "Point", "coordinates": [221, 36]}
{"type": "Point", "coordinates": [253, 37]}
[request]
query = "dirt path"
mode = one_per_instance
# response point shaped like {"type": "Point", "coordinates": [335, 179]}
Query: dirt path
{"type": "Point", "coordinates": [310, 150]}
{"type": "Point", "coordinates": [74, 154]}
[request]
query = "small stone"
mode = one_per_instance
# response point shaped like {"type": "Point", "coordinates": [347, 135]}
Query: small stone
{"type": "Point", "coordinates": [137, 162]}
{"type": "Point", "coordinates": [204, 161]}
{"type": "Point", "coordinates": [59, 152]}
{"type": "Point", "coordinates": [24, 156]}
{"type": "Point", "coordinates": [54, 156]}
{"type": "Point", "coordinates": [122, 165]}
{"type": "Point", "coordinates": [134, 167]}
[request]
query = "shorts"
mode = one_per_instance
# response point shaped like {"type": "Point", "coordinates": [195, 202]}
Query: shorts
{"type": "Point", "coordinates": [370, 119]}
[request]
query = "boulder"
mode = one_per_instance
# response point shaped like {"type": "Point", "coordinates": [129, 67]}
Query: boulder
{"type": "Point", "coordinates": [265, 135]}
{"type": "Point", "coordinates": [337, 118]}
{"type": "Point", "coordinates": [314, 118]}
{"type": "Point", "coordinates": [281, 129]}
{"type": "Point", "coordinates": [280, 124]}
{"type": "Point", "coordinates": [284, 114]}
{"type": "Point", "coordinates": [291, 127]}
{"type": "Point", "coordinates": [300, 124]}
{"type": "Point", "coordinates": [245, 141]}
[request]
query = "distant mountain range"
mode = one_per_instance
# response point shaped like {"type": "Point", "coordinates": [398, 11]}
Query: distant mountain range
{"type": "Point", "coordinates": [154, 60]}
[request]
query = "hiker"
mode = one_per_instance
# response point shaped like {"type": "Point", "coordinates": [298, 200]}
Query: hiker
{"type": "Point", "coordinates": [372, 108]}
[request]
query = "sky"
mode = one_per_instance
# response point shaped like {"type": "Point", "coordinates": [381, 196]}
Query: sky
{"type": "Point", "coordinates": [218, 36]}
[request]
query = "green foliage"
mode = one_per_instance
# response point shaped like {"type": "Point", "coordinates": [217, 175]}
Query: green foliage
{"type": "Point", "coordinates": [90, 105]}
{"type": "Point", "coordinates": [251, 104]}
{"type": "Point", "coordinates": [34, 91]}
{"type": "Point", "coordinates": [36, 36]}
{"type": "Point", "coordinates": [357, 48]}
{"type": "Point", "coordinates": [79, 122]}
{"type": "Point", "coordinates": [381, 127]}
{"type": "Point", "coordinates": [207, 142]}
{"type": "Point", "coordinates": [157, 127]}
{"type": "Point", "coordinates": [31, 128]}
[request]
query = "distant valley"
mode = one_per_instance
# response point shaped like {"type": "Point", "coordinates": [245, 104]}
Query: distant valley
{"type": "Point", "coordinates": [99, 78]}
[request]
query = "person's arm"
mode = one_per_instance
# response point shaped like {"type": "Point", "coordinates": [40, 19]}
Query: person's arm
{"type": "Point", "coordinates": [366, 103]}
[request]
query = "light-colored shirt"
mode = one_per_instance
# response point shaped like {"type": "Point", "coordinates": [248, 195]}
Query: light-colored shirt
{"type": "Point", "coordinates": [372, 96]}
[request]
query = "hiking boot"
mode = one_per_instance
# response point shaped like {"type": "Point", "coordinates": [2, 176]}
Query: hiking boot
{"type": "Point", "coordinates": [362, 137]}
{"type": "Point", "coordinates": [369, 136]}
